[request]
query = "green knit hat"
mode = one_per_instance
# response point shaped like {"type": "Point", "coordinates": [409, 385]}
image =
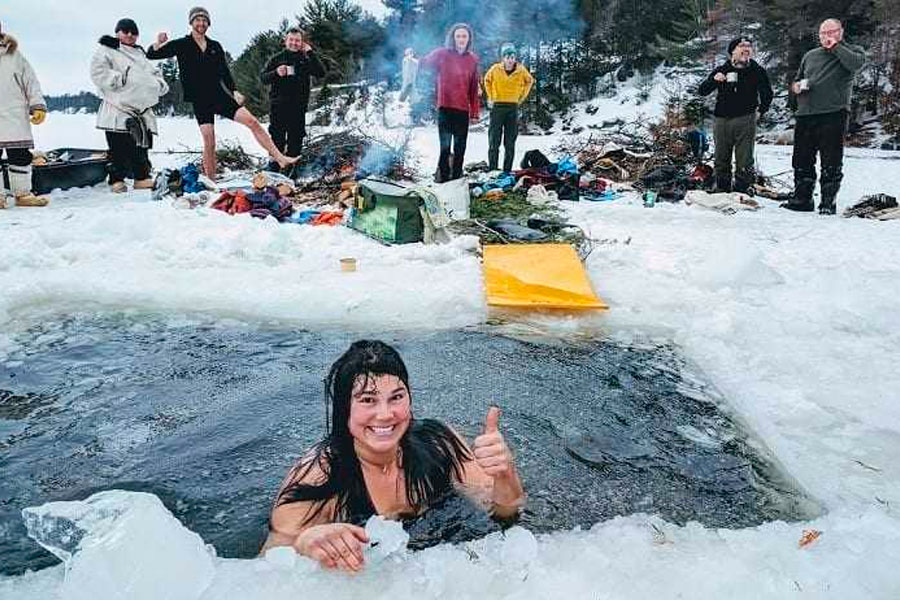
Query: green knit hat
{"type": "Point", "coordinates": [508, 50]}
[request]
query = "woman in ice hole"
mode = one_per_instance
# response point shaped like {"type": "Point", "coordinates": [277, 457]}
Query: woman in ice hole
{"type": "Point", "coordinates": [378, 459]}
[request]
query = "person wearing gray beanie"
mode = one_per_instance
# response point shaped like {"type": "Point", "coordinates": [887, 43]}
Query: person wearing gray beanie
{"type": "Point", "coordinates": [210, 88]}
{"type": "Point", "coordinates": [198, 11]}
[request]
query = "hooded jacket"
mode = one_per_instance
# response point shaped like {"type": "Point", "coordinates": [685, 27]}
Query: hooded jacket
{"type": "Point", "coordinates": [293, 89]}
{"type": "Point", "coordinates": [203, 75]}
{"type": "Point", "coordinates": [21, 94]}
{"type": "Point", "coordinates": [129, 84]}
{"type": "Point", "coordinates": [508, 88]}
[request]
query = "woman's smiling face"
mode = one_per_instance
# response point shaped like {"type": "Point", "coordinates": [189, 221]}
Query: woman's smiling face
{"type": "Point", "coordinates": [379, 412]}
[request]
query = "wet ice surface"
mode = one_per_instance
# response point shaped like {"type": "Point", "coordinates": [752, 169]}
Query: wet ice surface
{"type": "Point", "coordinates": [208, 416]}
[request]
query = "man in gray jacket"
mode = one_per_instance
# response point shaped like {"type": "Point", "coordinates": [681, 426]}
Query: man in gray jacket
{"type": "Point", "coordinates": [822, 91]}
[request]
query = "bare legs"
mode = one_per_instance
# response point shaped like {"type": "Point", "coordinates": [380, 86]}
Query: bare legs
{"type": "Point", "coordinates": [245, 118]}
{"type": "Point", "coordinates": [208, 132]}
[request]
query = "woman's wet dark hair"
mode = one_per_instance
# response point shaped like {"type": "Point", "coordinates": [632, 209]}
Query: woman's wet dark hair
{"type": "Point", "coordinates": [365, 358]}
{"type": "Point", "coordinates": [432, 455]}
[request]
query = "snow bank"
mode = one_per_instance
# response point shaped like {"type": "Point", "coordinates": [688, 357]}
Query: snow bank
{"type": "Point", "coordinates": [792, 316]}
{"type": "Point", "coordinates": [133, 548]}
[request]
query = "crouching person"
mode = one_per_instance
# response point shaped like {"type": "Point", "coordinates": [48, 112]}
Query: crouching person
{"type": "Point", "coordinates": [21, 106]}
{"type": "Point", "coordinates": [130, 87]}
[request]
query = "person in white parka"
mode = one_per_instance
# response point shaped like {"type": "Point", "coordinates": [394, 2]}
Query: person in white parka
{"type": "Point", "coordinates": [21, 106]}
{"type": "Point", "coordinates": [130, 86]}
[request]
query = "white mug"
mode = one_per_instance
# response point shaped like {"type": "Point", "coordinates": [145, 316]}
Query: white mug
{"type": "Point", "coordinates": [731, 77]}
{"type": "Point", "coordinates": [804, 85]}
{"type": "Point", "coordinates": [290, 69]}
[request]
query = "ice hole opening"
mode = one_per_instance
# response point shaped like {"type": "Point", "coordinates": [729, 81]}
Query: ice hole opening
{"type": "Point", "coordinates": [209, 414]}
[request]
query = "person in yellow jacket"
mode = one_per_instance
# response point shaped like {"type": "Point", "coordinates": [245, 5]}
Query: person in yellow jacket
{"type": "Point", "coordinates": [507, 84]}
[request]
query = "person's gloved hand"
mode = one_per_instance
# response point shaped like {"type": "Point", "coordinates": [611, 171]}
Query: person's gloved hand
{"type": "Point", "coordinates": [38, 115]}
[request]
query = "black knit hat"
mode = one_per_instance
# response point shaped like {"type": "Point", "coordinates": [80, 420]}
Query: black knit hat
{"type": "Point", "coordinates": [736, 42]}
{"type": "Point", "coordinates": [127, 25]}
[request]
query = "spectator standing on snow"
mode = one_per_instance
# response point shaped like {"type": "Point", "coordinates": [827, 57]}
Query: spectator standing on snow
{"type": "Point", "coordinates": [821, 91]}
{"type": "Point", "coordinates": [408, 74]}
{"type": "Point", "coordinates": [507, 85]}
{"type": "Point", "coordinates": [21, 106]}
{"type": "Point", "coordinates": [458, 102]}
{"type": "Point", "coordinates": [288, 76]}
{"type": "Point", "coordinates": [743, 90]}
{"type": "Point", "coordinates": [208, 85]}
{"type": "Point", "coordinates": [130, 87]}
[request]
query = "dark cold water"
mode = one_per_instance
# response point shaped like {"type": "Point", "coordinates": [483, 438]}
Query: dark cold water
{"type": "Point", "coordinates": [209, 416]}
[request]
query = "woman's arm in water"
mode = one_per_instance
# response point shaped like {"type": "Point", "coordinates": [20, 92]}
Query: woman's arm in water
{"type": "Point", "coordinates": [314, 534]}
{"type": "Point", "coordinates": [287, 521]}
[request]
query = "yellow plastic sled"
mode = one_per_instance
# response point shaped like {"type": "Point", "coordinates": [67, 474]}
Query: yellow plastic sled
{"type": "Point", "coordinates": [537, 276]}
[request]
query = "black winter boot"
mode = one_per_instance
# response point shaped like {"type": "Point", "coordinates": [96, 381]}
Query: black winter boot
{"type": "Point", "coordinates": [803, 191]}
{"type": "Point", "coordinates": [723, 183]}
{"type": "Point", "coordinates": [827, 206]}
{"type": "Point", "coordinates": [830, 184]}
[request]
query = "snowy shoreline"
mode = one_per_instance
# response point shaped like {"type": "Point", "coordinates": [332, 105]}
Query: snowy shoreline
{"type": "Point", "coordinates": [790, 315]}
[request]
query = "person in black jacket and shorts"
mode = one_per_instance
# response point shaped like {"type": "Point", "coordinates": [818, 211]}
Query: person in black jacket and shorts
{"type": "Point", "coordinates": [743, 90]}
{"type": "Point", "coordinates": [208, 85]}
{"type": "Point", "coordinates": [288, 76]}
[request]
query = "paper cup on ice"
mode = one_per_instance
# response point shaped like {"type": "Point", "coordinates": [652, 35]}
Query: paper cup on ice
{"type": "Point", "coordinates": [731, 77]}
{"type": "Point", "coordinates": [348, 264]}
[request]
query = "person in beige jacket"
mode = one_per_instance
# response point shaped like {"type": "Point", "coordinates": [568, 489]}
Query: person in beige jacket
{"type": "Point", "coordinates": [130, 86]}
{"type": "Point", "coordinates": [21, 106]}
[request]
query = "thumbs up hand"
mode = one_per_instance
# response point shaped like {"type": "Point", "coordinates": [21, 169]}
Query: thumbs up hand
{"type": "Point", "coordinates": [491, 452]}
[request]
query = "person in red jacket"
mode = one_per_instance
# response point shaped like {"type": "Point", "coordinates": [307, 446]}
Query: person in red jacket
{"type": "Point", "coordinates": [458, 103]}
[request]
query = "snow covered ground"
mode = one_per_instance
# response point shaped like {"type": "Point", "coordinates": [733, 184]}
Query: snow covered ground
{"type": "Point", "coordinates": [792, 316]}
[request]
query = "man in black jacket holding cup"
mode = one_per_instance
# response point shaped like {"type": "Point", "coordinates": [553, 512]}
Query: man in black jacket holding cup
{"type": "Point", "coordinates": [743, 90]}
{"type": "Point", "coordinates": [288, 76]}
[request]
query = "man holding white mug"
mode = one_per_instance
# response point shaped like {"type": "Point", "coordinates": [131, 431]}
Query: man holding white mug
{"type": "Point", "coordinates": [743, 89]}
{"type": "Point", "coordinates": [288, 76]}
{"type": "Point", "coordinates": [821, 92]}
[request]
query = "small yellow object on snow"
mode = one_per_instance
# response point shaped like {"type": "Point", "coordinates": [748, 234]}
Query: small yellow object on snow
{"type": "Point", "coordinates": [537, 276]}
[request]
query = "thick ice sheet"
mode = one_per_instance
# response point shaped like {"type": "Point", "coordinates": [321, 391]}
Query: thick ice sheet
{"type": "Point", "coordinates": [793, 316]}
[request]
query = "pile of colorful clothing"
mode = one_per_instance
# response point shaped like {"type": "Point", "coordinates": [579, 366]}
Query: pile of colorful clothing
{"type": "Point", "coordinates": [260, 203]}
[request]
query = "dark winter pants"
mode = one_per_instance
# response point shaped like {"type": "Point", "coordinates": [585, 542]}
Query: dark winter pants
{"type": "Point", "coordinates": [735, 135]}
{"type": "Point", "coordinates": [453, 125]}
{"type": "Point", "coordinates": [504, 125]}
{"type": "Point", "coordinates": [17, 157]}
{"type": "Point", "coordinates": [287, 126]}
{"type": "Point", "coordinates": [823, 134]}
{"type": "Point", "coordinates": [126, 158]}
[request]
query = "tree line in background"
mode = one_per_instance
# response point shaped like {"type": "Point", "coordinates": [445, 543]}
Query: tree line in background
{"type": "Point", "coordinates": [575, 48]}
